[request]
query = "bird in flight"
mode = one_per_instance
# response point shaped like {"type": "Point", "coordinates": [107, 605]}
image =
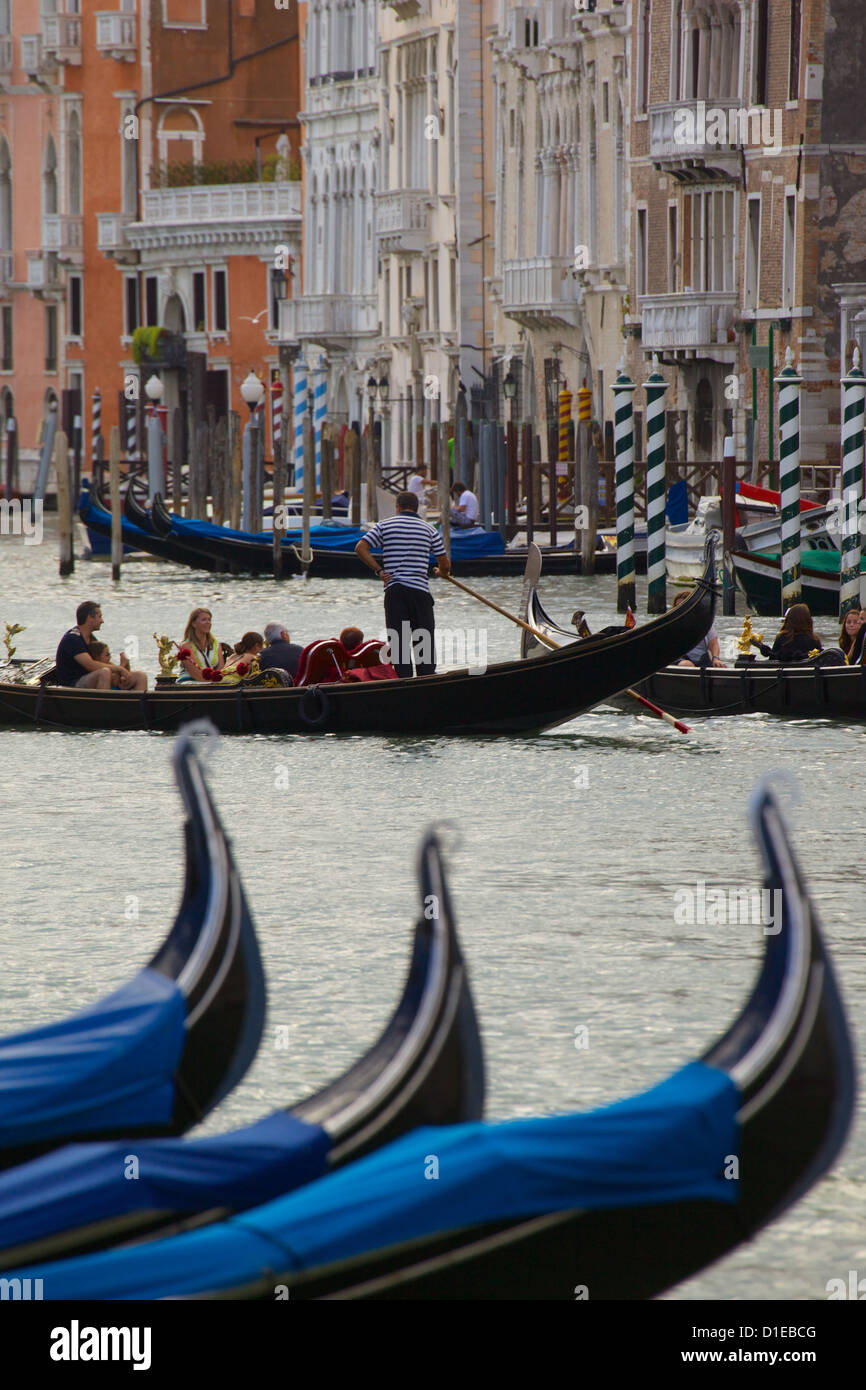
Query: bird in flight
{"type": "Point", "coordinates": [257, 317]}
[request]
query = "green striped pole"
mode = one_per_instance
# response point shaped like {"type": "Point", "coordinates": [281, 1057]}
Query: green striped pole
{"type": "Point", "coordinates": [655, 387]}
{"type": "Point", "coordinates": [853, 403]}
{"type": "Point", "coordinates": [623, 434]}
{"type": "Point", "coordinates": [789, 384]}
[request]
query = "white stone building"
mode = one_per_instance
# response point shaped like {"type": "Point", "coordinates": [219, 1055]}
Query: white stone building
{"type": "Point", "coordinates": [561, 199]}
{"type": "Point", "coordinates": [335, 321]}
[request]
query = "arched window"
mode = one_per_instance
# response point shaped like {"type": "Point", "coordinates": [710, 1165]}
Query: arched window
{"type": "Point", "coordinates": [73, 164]}
{"type": "Point", "coordinates": [49, 178]}
{"type": "Point", "coordinates": [5, 196]}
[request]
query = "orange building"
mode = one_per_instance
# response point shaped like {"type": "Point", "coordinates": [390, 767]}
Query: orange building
{"type": "Point", "coordinates": [149, 178]}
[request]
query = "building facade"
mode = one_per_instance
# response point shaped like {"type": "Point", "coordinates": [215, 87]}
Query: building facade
{"type": "Point", "coordinates": [561, 197]}
{"type": "Point", "coordinates": [747, 160]}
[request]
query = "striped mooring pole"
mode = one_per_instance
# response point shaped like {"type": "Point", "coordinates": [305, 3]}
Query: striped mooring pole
{"type": "Point", "coordinates": [95, 424]}
{"type": "Point", "coordinates": [623, 434]}
{"type": "Point", "coordinates": [299, 408]}
{"type": "Point", "coordinates": [131, 430]}
{"type": "Point", "coordinates": [655, 387]}
{"type": "Point", "coordinates": [853, 405]}
{"type": "Point", "coordinates": [276, 412]}
{"type": "Point", "coordinates": [789, 384]}
{"type": "Point", "coordinates": [320, 405]}
{"type": "Point", "coordinates": [584, 404]}
{"type": "Point", "coordinates": [565, 399]}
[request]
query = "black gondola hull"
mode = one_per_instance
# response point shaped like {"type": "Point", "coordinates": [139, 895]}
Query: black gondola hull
{"type": "Point", "coordinates": [508, 698]}
{"type": "Point", "coordinates": [791, 692]}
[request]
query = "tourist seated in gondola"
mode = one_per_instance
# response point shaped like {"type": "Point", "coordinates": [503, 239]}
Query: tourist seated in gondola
{"type": "Point", "coordinates": [464, 508]}
{"type": "Point", "coordinates": [281, 652]}
{"type": "Point", "coordinates": [199, 652]}
{"type": "Point", "coordinates": [351, 638]}
{"type": "Point", "coordinates": [707, 651]}
{"type": "Point", "coordinates": [243, 660]}
{"type": "Point", "coordinates": [851, 636]}
{"type": "Point", "coordinates": [74, 664]}
{"type": "Point", "coordinates": [101, 653]}
{"type": "Point", "coordinates": [796, 639]}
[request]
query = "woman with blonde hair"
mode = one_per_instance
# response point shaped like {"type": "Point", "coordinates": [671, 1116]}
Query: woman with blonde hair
{"type": "Point", "coordinates": [199, 651]}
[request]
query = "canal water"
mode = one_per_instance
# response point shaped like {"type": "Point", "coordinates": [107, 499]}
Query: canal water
{"type": "Point", "coordinates": [565, 854]}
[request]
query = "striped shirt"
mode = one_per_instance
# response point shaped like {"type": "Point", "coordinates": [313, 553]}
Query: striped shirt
{"type": "Point", "coordinates": [406, 542]}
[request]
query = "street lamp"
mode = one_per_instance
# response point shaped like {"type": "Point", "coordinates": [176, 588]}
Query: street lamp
{"type": "Point", "coordinates": [509, 386]}
{"type": "Point", "coordinates": [252, 391]}
{"type": "Point", "coordinates": [384, 426]}
{"type": "Point", "coordinates": [154, 390]}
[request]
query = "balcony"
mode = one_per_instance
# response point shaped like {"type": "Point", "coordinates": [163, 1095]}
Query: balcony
{"type": "Point", "coordinates": [222, 202]}
{"type": "Point", "coordinates": [5, 56]}
{"type": "Point", "coordinates": [111, 238]}
{"type": "Point", "coordinates": [34, 63]}
{"type": "Point", "coordinates": [406, 9]}
{"type": "Point", "coordinates": [61, 38]}
{"type": "Point", "coordinates": [43, 275]}
{"type": "Point", "coordinates": [116, 36]}
{"type": "Point", "coordinates": [170, 351]}
{"type": "Point", "coordinates": [321, 318]}
{"type": "Point", "coordinates": [402, 221]}
{"type": "Point", "coordinates": [692, 139]}
{"type": "Point", "coordinates": [541, 291]}
{"type": "Point", "coordinates": [64, 235]}
{"type": "Point", "coordinates": [699, 324]}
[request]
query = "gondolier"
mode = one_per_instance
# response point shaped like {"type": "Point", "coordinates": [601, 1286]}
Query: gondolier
{"type": "Point", "coordinates": [406, 542]}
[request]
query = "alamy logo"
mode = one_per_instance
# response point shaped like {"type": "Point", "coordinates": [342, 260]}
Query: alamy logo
{"type": "Point", "coordinates": [19, 518]}
{"type": "Point", "coordinates": [77, 1343]}
{"type": "Point", "coordinates": [856, 1287]}
{"type": "Point", "coordinates": [722, 125]}
{"type": "Point", "coordinates": [716, 907]}
{"type": "Point", "coordinates": [22, 1290]}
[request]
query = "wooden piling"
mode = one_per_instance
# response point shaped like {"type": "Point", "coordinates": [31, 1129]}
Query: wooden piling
{"type": "Point", "coordinates": [114, 491]}
{"type": "Point", "coordinates": [279, 514]}
{"type": "Point", "coordinates": [444, 481]}
{"type": "Point", "coordinates": [352, 455]}
{"type": "Point", "coordinates": [220, 469]}
{"type": "Point", "coordinates": [237, 469]}
{"type": "Point", "coordinates": [327, 474]}
{"type": "Point", "coordinates": [177, 438]}
{"type": "Point", "coordinates": [309, 491]}
{"type": "Point", "coordinates": [201, 472]}
{"type": "Point", "coordinates": [372, 499]}
{"type": "Point", "coordinates": [64, 503]}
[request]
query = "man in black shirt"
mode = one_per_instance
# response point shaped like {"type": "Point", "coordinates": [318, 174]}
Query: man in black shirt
{"type": "Point", "coordinates": [74, 664]}
{"type": "Point", "coordinates": [280, 651]}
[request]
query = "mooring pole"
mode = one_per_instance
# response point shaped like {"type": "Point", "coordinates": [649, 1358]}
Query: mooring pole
{"type": "Point", "coordinates": [789, 384]}
{"type": "Point", "coordinates": [623, 390]}
{"type": "Point", "coordinates": [114, 492]}
{"type": "Point", "coordinates": [64, 503]}
{"type": "Point", "coordinates": [655, 387]}
{"type": "Point", "coordinates": [852, 590]}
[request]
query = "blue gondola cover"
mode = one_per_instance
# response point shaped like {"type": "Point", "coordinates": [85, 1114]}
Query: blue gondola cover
{"type": "Point", "coordinates": [671, 1144]}
{"type": "Point", "coordinates": [86, 1183]}
{"type": "Point", "coordinates": [107, 1066]}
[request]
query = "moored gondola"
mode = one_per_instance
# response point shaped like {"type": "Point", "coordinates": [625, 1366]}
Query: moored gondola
{"type": "Point", "coordinates": [160, 1052]}
{"type": "Point", "coordinates": [509, 697]}
{"type": "Point", "coordinates": [94, 516]}
{"type": "Point", "coordinates": [425, 1069]}
{"type": "Point", "coordinates": [810, 690]}
{"type": "Point", "coordinates": [620, 1203]}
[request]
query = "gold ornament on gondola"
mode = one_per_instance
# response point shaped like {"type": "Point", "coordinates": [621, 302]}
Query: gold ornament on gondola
{"type": "Point", "coordinates": [12, 630]}
{"type": "Point", "coordinates": [748, 637]}
{"type": "Point", "coordinates": [167, 655]}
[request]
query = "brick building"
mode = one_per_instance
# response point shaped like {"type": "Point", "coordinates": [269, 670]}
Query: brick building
{"type": "Point", "coordinates": [746, 159]}
{"type": "Point", "coordinates": [149, 171]}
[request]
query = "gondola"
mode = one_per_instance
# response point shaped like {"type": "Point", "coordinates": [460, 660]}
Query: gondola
{"type": "Point", "coordinates": [759, 576]}
{"type": "Point", "coordinates": [160, 1052]}
{"type": "Point", "coordinates": [620, 1203]}
{"type": "Point", "coordinates": [333, 550]}
{"type": "Point", "coordinates": [805, 691]}
{"type": "Point", "coordinates": [425, 1069]}
{"type": "Point", "coordinates": [96, 518]}
{"type": "Point", "coordinates": [510, 697]}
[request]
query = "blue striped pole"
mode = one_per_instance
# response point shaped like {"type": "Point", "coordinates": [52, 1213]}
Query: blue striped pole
{"type": "Point", "coordinates": [623, 431]}
{"type": "Point", "coordinates": [299, 410]}
{"type": "Point", "coordinates": [655, 387]}
{"type": "Point", "coordinates": [789, 384]}
{"type": "Point", "coordinates": [96, 423]}
{"type": "Point", "coordinates": [320, 405]}
{"type": "Point", "coordinates": [853, 405]}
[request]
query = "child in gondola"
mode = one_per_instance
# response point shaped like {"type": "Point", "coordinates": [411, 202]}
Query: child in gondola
{"type": "Point", "coordinates": [100, 652]}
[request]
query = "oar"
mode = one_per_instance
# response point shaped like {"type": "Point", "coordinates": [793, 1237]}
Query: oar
{"type": "Point", "coordinates": [556, 646]}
